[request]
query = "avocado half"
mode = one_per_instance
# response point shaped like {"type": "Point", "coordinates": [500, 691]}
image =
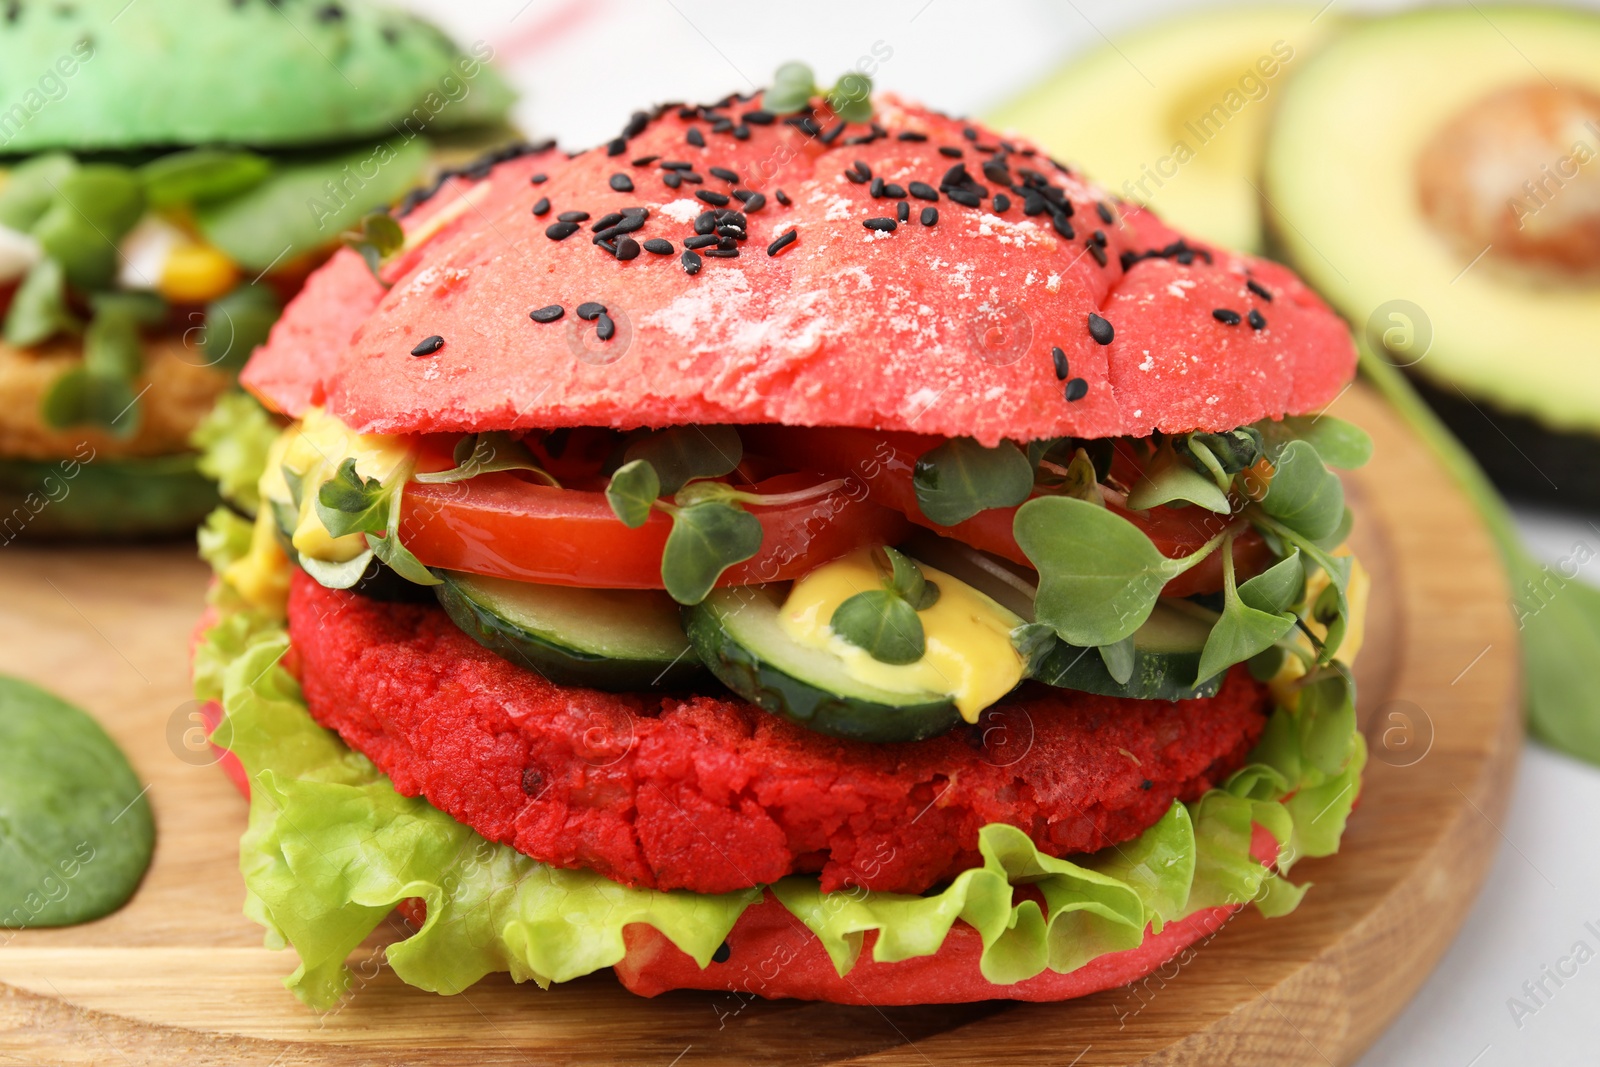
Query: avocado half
{"type": "Point", "coordinates": [1506, 353]}
{"type": "Point", "coordinates": [1175, 115]}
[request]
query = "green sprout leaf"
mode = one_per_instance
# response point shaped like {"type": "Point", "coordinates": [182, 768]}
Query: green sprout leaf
{"type": "Point", "coordinates": [337, 575]}
{"type": "Point", "coordinates": [486, 453]}
{"type": "Point", "coordinates": [1118, 658]}
{"type": "Point", "coordinates": [237, 323]}
{"type": "Point", "coordinates": [1099, 575]}
{"type": "Point", "coordinates": [1081, 481]}
{"type": "Point", "coordinates": [1304, 495]}
{"type": "Point", "coordinates": [1326, 717]}
{"type": "Point", "coordinates": [684, 453]}
{"type": "Point", "coordinates": [706, 539]}
{"type": "Point", "coordinates": [1255, 616]}
{"type": "Point", "coordinates": [94, 207]}
{"type": "Point", "coordinates": [960, 478]}
{"type": "Point", "coordinates": [30, 188]}
{"type": "Point", "coordinates": [1177, 481]}
{"type": "Point", "coordinates": [792, 89]}
{"type": "Point", "coordinates": [100, 390]}
{"type": "Point", "coordinates": [396, 556]}
{"type": "Point", "coordinates": [883, 623]}
{"type": "Point", "coordinates": [851, 97]}
{"type": "Point", "coordinates": [201, 175]}
{"type": "Point", "coordinates": [39, 307]}
{"type": "Point", "coordinates": [348, 503]}
{"type": "Point", "coordinates": [632, 491]}
{"type": "Point", "coordinates": [905, 579]}
{"type": "Point", "coordinates": [80, 397]}
{"type": "Point", "coordinates": [1338, 570]}
{"type": "Point", "coordinates": [376, 237]}
{"type": "Point", "coordinates": [1339, 443]}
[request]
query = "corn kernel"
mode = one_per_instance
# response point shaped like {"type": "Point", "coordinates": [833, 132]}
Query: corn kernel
{"type": "Point", "coordinates": [196, 273]}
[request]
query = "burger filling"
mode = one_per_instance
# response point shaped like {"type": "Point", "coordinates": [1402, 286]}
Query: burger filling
{"type": "Point", "coordinates": [814, 611]}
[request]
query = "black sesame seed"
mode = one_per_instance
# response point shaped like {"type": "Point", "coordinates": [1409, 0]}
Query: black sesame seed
{"type": "Point", "coordinates": [1146, 784]}
{"type": "Point", "coordinates": [923, 191]}
{"type": "Point", "coordinates": [1098, 253]}
{"type": "Point", "coordinates": [833, 135]}
{"type": "Point", "coordinates": [672, 179]}
{"type": "Point", "coordinates": [542, 207]}
{"type": "Point", "coordinates": [782, 197]}
{"type": "Point", "coordinates": [548, 313]}
{"type": "Point", "coordinates": [783, 241]}
{"type": "Point", "coordinates": [965, 197]}
{"type": "Point", "coordinates": [950, 150]}
{"type": "Point", "coordinates": [538, 179]}
{"type": "Point", "coordinates": [731, 229]}
{"type": "Point", "coordinates": [622, 183]}
{"type": "Point", "coordinates": [616, 146]}
{"type": "Point", "coordinates": [715, 199]}
{"type": "Point", "coordinates": [969, 133]}
{"type": "Point", "coordinates": [676, 164]}
{"type": "Point", "coordinates": [894, 191]}
{"type": "Point", "coordinates": [1059, 358]}
{"type": "Point", "coordinates": [636, 124]}
{"type": "Point", "coordinates": [1260, 290]}
{"type": "Point", "coordinates": [731, 177]}
{"type": "Point", "coordinates": [902, 211]}
{"type": "Point", "coordinates": [723, 253]}
{"type": "Point", "coordinates": [604, 328]}
{"type": "Point", "coordinates": [997, 171]}
{"type": "Point", "coordinates": [930, 215]}
{"type": "Point", "coordinates": [1033, 203]}
{"type": "Point", "coordinates": [691, 263]}
{"type": "Point", "coordinates": [876, 188]}
{"type": "Point", "coordinates": [705, 222]}
{"type": "Point", "coordinates": [428, 346]}
{"type": "Point", "coordinates": [1105, 213]}
{"type": "Point", "coordinates": [1076, 389]}
{"type": "Point", "coordinates": [645, 161]}
{"type": "Point", "coordinates": [560, 231]}
{"type": "Point", "coordinates": [754, 202]}
{"type": "Point", "coordinates": [589, 310]}
{"type": "Point", "coordinates": [885, 224]}
{"type": "Point", "coordinates": [610, 218]}
{"type": "Point", "coordinates": [627, 248]}
{"type": "Point", "coordinates": [705, 240]}
{"type": "Point", "coordinates": [956, 175]}
{"type": "Point", "coordinates": [1258, 321]}
{"type": "Point", "coordinates": [1064, 228]}
{"type": "Point", "coordinates": [1002, 203]}
{"type": "Point", "coordinates": [1100, 329]}
{"type": "Point", "coordinates": [573, 216]}
{"type": "Point", "coordinates": [1225, 316]}
{"type": "Point", "coordinates": [695, 137]}
{"type": "Point", "coordinates": [330, 13]}
{"type": "Point", "coordinates": [911, 135]}
{"type": "Point", "coordinates": [658, 246]}
{"type": "Point", "coordinates": [760, 118]}
{"type": "Point", "coordinates": [723, 954]}
{"type": "Point", "coordinates": [1098, 237]}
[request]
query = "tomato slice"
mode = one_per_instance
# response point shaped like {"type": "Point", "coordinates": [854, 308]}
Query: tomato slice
{"type": "Point", "coordinates": [886, 461]}
{"type": "Point", "coordinates": [500, 525]}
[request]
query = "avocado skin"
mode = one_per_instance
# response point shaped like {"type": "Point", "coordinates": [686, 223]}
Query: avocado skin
{"type": "Point", "coordinates": [1538, 456]}
{"type": "Point", "coordinates": [134, 499]}
{"type": "Point", "coordinates": [826, 713]}
{"type": "Point", "coordinates": [563, 666]}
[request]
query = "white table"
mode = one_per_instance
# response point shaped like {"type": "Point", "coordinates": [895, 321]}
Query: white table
{"type": "Point", "coordinates": [584, 65]}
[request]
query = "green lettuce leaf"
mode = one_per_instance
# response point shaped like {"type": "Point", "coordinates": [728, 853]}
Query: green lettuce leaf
{"type": "Point", "coordinates": [233, 440]}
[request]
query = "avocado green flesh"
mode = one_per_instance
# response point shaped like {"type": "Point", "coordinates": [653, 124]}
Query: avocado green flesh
{"type": "Point", "coordinates": [1166, 658]}
{"type": "Point", "coordinates": [95, 75]}
{"type": "Point", "coordinates": [76, 834]}
{"type": "Point", "coordinates": [1175, 115]}
{"type": "Point", "coordinates": [736, 633]}
{"type": "Point", "coordinates": [102, 498]}
{"type": "Point", "coordinates": [622, 640]}
{"type": "Point", "coordinates": [1340, 174]}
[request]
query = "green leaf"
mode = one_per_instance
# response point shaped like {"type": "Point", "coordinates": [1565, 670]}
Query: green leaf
{"type": "Point", "coordinates": [237, 323]}
{"type": "Point", "coordinates": [851, 97]}
{"type": "Point", "coordinates": [111, 346]}
{"type": "Point", "coordinates": [348, 503]}
{"type": "Point", "coordinates": [905, 579]}
{"type": "Point", "coordinates": [706, 539]}
{"type": "Point", "coordinates": [486, 453]}
{"type": "Point", "coordinates": [684, 453]}
{"type": "Point", "coordinates": [1304, 495]}
{"type": "Point", "coordinates": [1338, 570]}
{"type": "Point", "coordinates": [376, 237]}
{"type": "Point", "coordinates": [201, 175]}
{"type": "Point", "coordinates": [337, 575]}
{"type": "Point", "coordinates": [1247, 629]}
{"type": "Point", "coordinates": [1340, 444]}
{"type": "Point", "coordinates": [632, 491]}
{"type": "Point", "coordinates": [1177, 481]}
{"type": "Point", "coordinates": [1278, 588]}
{"type": "Point", "coordinates": [81, 397]}
{"type": "Point", "coordinates": [1118, 658]}
{"type": "Point", "coordinates": [1326, 717]}
{"type": "Point", "coordinates": [39, 307]}
{"type": "Point", "coordinates": [792, 89]}
{"type": "Point", "coordinates": [96, 205]}
{"type": "Point", "coordinates": [882, 623]}
{"type": "Point", "coordinates": [31, 187]}
{"type": "Point", "coordinates": [1099, 575]}
{"type": "Point", "coordinates": [960, 478]}
{"type": "Point", "coordinates": [1222, 455]}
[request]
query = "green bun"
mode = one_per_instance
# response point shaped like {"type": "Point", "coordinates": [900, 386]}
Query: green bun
{"type": "Point", "coordinates": [130, 499]}
{"type": "Point", "coordinates": [109, 75]}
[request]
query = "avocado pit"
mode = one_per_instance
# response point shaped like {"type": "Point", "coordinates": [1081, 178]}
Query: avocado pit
{"type": "Point", "coordinates": [1517, 171]}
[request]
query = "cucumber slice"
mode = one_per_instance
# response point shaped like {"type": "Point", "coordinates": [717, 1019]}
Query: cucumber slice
{"type": "Point", "coordinates": [737, 635]}
{"type": "Point", "coordinates": [1166, 657]}
{"type": "Point", "coordinates": [616, 639]}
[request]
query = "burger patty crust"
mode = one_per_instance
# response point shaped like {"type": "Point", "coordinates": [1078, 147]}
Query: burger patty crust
{"type": "Point", "coordinates": [710, 793]}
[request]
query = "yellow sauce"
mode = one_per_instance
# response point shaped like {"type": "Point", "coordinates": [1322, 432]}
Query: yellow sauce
{"type": "Point", "coordinates": [968, 654]}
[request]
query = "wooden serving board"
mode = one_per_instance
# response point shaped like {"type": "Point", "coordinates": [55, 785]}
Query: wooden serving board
{"type": "Point", "coordinates": [180, 977]}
